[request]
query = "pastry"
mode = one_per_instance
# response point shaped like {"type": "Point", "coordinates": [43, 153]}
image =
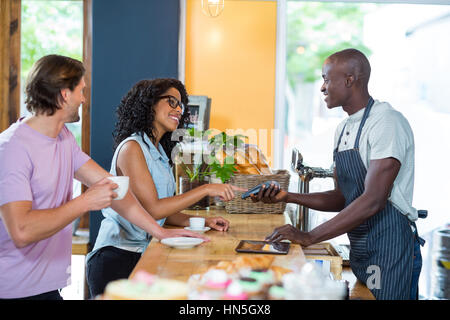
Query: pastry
{"type": "Point", "coordinates": [255, 262]}
{"type": "Point", "coordinates": [251, 160]}
{"type": "Point", "coordinates": [248, 262]}
{"type": "Point", "coordinates": [146, 288]}
{"type": "Point", "coordinates": [214, 283]}
{"type": "Point", "coordinates": [264, 276]}
{"type": "Point", "coordinates": [279, 272]}
{"type": "Point", "coordinates": [252, 288]}
{"type": "Point", "coordinates": [276, 292]}
{"type": "Point", "coordinates": [247, 160]}
{"type": "Point", "coordinates": [235, 292]}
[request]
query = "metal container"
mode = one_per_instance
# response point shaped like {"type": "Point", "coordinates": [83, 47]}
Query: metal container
{"type": "Point", "coordinates": [440, 268]}
{"type": "Point", "coordinates": [303, 218]}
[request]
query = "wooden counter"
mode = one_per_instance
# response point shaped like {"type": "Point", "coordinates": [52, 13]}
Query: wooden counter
{"type": "Point", "coordinates": [181, 264]}
{"type": "Point", "coordinates": [80, 242]}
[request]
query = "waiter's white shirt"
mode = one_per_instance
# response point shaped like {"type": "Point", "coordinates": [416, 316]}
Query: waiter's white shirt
{"type": "Point", "coordinates": [385, 134]}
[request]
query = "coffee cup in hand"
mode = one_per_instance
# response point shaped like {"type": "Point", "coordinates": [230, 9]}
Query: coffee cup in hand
{"type": "Point", "coordinates": [123, 183]}
{"type": "Point", "coordinates": [197, 223]}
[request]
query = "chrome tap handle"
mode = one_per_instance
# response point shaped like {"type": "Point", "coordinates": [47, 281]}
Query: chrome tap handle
{"type": "Point", "coordinates": [307, 172]}
{"type": "Point", "coordinates": [297, 161]}
{"type": "Point", "coordinates": [322, 173]}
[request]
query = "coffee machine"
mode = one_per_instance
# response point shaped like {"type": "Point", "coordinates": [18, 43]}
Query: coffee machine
{"type": "Point", "coordinates": [306, 174]}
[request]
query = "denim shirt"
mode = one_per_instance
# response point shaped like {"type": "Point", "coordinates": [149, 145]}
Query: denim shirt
{"type": "Point", "coordinates": [117, 231]}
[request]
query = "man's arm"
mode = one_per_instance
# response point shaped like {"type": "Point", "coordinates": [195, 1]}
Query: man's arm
{"type": "Point", "coordinates": [26, 226]}
{"type": "Point", "coordinates": [90, 173]}
{"type": "Point", "coordinates": [129, 207]}
{"type": "Point", "coordinates": [332, 200]}
{"type": "Point", "coordinates": [377, 187]}
{"type": "Point", "coordinates": [131, 162]}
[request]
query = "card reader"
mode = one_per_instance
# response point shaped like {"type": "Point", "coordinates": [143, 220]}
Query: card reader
{"type": "Point", "coordinates": [256, 189]}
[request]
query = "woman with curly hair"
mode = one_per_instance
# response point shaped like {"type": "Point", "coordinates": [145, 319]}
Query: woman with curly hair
{"type": "Point", "coordinates": [147, 116]}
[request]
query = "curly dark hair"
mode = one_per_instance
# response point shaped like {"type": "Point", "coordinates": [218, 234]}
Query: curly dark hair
{"type": "Point", "coordinates": [136, 113]}
{"type": "Point", "coordinates": [47, 77]}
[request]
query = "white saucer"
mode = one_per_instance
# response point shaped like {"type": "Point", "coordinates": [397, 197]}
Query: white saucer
{"type": "Point", "coordinates": [182, 242]}
{"type": "Point", "coordinates": [198, 230]}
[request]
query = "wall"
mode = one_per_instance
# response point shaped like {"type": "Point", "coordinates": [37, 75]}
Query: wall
{"type": "Point", "coordinates": [231, 58]}
{"type": "Point", "coordinates": [131, 41]}
{"type": "Point", "coordinates": [9, 62]}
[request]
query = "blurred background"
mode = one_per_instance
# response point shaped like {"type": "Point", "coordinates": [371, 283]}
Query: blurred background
{"type": "Point", "coordinates": [405, 43]}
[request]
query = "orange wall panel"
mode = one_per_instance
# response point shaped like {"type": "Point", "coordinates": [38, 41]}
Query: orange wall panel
{"type": "Point", "coordinates": [231, 58]}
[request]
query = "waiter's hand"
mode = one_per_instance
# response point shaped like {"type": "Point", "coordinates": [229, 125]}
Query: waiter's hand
{"type": "Point", "coordinates": [291, 233]}
{"type": "Point", "coordinates": [272, 194]}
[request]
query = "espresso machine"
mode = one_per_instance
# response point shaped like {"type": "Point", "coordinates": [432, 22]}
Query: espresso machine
{"type": "Point", "coordinates": [306, 174]}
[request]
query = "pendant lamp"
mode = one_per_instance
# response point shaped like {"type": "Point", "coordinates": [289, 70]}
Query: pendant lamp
{"type": "Point", "coordinates": [212, 8]}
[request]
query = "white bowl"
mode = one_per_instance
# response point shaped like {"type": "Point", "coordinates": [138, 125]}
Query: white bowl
{"type": "Point", "coordinates": [198, 230]}
{"type": "Point", "coordinates": [182, 242]}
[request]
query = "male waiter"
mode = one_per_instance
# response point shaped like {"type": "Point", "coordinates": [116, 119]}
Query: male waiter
{"type": "Point", "coordinates": [374, 179]}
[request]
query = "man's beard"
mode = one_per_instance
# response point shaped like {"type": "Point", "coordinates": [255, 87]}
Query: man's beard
{"type": "Point", "coordinates": [75, 117]}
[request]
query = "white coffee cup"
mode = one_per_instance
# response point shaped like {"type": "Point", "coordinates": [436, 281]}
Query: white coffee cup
{"type": "Point", "coordinates": [123, 182]}
{"type": "Point", "coordinates": [197, 223]}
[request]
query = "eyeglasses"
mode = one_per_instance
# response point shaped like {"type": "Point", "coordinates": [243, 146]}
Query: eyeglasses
{"type": "Point", "coordinates": [173, 102]}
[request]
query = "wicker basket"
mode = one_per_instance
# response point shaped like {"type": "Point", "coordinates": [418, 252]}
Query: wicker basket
{"type": "Point", "coordinates": [247, 181]}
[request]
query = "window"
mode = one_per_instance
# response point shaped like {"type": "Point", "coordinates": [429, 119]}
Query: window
{"type": "Point", "coordinates": [51, 27]}
{"type": "Point", "coordinates": [56, 27]}
{"type": "Point", "coordinates": [409, 60]}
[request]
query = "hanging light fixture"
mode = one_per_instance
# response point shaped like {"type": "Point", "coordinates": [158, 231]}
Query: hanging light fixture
{"type": "Point", "coordinates": [212, 8]}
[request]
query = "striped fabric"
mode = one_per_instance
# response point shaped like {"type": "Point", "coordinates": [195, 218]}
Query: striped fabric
{"type": "Point", "coordinates": [381, 248]}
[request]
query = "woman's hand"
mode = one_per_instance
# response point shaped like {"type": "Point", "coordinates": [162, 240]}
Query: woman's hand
{"type": "Point", "coordinates": [217, 223]}
{"type": "Point", "coordinates": [224, 191]}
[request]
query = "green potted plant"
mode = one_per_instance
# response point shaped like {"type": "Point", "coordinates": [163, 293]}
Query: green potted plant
{"type": "Point", "coordinates": [211, 158]}
{"type": "Point", "coordinates": [222, 159]}
{"type": "Point", "coordinates": [224, 146]}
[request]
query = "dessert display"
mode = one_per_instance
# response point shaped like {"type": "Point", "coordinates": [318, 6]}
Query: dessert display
{"type": "Point", "coordinates": [246, 277]}
{"type": "Point", "coordinates": [253, 278]}
{"type": "Point", "coordinates": [240, 283]}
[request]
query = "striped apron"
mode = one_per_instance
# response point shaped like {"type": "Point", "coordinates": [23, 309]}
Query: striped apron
{"type": "Point", "coordinates": [381, 248]}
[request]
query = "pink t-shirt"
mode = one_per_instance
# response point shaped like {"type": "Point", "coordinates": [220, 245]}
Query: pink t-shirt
{"type": "Point", "coordinates": [37, 168]}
